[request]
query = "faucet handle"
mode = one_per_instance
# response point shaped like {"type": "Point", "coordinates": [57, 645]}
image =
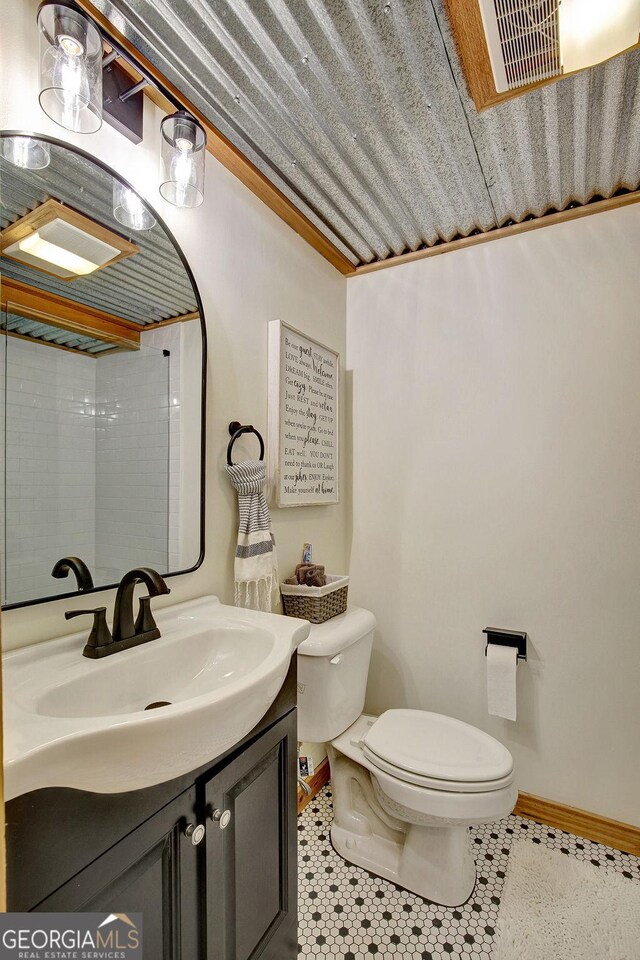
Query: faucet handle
{"type": "Point", "coordinates": [145, 621]}
{"type": "Point", "coordinates": [100, 635]}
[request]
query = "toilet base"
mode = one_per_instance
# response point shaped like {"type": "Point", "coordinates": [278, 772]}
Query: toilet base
{"type": "Point", "coordinates": [436, 862]}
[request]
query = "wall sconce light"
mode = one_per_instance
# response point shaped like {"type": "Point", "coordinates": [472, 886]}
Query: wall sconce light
{"type": "Point", "coordinates": [70, 68]}
{"type": "Point", "coordinates": [182, 156]}
{"type": "Point", "coordinates": [79, 86]}
{"type": "Point", "coordinates": [25, 152]}
{"type": "Point", "coordinates": [129, 209]}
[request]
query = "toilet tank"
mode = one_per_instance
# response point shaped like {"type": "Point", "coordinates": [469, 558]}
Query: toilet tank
{"type": "Point", "coordinates": [333, 664]}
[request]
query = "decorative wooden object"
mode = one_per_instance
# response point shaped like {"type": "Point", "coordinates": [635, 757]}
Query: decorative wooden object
{"type": "Point", "coordinates": [53, 210]}
{"type": "Point", "coordinates": [303, 418]}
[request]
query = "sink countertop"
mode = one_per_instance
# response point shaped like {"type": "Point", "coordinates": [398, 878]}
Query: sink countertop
{"type": "Point", "coordinates": [75, 722]}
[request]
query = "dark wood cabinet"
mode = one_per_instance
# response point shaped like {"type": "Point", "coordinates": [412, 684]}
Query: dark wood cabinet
{"type": "Point", "coordinates": [250, 879]}
{"type": "Point", "coordinates": [233, 896]}
{"type": "Point", "coordinates": [153, 871]}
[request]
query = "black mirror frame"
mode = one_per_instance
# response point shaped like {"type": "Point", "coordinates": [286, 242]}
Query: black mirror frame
{"type": "Point", "coordinates": [203, 330]}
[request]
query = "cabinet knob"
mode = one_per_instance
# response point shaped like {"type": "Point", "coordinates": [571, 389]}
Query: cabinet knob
{"type": "Point", "coordinates": [221, 817]}
{"type": "Point", "coordinates": [195, 833]}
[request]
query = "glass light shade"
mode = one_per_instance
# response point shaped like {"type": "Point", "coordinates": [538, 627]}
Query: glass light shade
{"type": "Point", "coordinates": [592, 31]}
{"type": "Point", "coordinates": [129, 209]}
{"type": "Point", "coordinates": [25, 152]}
{"type": "Point", "coordinates": [70, 68]}
{"type": "Point", "coordinates": [182, 156]}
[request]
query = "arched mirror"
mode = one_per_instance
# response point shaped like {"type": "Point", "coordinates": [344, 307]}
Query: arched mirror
{"type": "Point", "coordinates": [102, 380]}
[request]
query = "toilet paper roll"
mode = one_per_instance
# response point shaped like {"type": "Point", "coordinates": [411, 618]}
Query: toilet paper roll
{"type": "Point", "coordinates": [501, 680]}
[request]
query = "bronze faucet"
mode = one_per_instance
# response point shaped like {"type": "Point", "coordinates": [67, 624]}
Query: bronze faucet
{"type": "Point", "coordinates": [123, 626]}
{"type": "Point", "coordinates": [126, 633]}
{"type": "Point", "coordinates": [82, 573]}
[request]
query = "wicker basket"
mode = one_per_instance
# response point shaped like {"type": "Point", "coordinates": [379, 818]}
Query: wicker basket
{"type": "Point", "coordinates": [316, 604]}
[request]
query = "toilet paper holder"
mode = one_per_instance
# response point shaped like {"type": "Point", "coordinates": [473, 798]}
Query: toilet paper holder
{"type": "Point", "coordinates": [507, 638]}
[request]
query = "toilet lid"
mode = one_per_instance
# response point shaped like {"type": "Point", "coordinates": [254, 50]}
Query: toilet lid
{"type": "Point", "coordinates": [438, 747]}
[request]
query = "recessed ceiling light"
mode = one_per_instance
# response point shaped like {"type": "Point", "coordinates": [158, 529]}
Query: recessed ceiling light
{"type": "Point", "coordinates": [62, 242]}
{"type": "Point", "coordinates": [592, 31]}
{"type": "Point", "coordinates": [56, 244]}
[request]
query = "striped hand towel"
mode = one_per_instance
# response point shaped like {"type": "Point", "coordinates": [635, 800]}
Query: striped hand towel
{"type": "Point", "coordinates": [256, 568]}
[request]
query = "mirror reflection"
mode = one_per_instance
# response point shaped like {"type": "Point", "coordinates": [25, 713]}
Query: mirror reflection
{"type": "Point", "coordinates": [101, 384]}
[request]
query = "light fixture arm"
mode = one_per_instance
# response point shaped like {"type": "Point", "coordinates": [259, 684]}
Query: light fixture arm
{"type": "Point", "coordinates": [136, 88]}
{"type": "Point", "coordinates": [118, 53]}
{"type": "Point", "coordinates": [109, 58]}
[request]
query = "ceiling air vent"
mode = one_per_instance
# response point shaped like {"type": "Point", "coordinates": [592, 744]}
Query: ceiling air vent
{"type": "Point", "coordinates": [523, 41]}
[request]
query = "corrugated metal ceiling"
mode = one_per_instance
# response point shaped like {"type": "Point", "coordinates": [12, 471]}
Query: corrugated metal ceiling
{"type": "Point", "coordinates": [357, 110]}
{"type": "Point", "coordinates": [15, 323]}
{"type": "Point", "coordinates": [151, 285]}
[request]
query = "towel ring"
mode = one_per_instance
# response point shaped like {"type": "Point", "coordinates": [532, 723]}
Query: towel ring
{"type": "Point", "coordinates": [236, 429]}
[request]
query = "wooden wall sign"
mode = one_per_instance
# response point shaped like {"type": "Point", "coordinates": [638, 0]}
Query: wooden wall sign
{"type": "Point", "coordinates": [303, 418]}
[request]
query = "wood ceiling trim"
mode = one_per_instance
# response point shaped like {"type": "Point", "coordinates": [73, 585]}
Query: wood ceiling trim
{"type": "Point", "coordinates": [56, 346]}
{"type": "Point", "coordinates": [228, 155]}
{"type": "Point", "coordinates": [50, 308]}
{"type": "Point", "coordinates": [467, 28]}
{"type": "Point", "coordinates": [563, 216]}
{"type": "Point", "coordinates": [182, 318]}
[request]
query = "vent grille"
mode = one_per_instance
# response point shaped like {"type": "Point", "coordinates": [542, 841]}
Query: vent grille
{"type": "Point", "coordinates": [523, 41]}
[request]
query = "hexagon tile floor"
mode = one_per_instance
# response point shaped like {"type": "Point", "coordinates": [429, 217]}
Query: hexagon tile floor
{"type": "Point", "coordinates": [345, 912]}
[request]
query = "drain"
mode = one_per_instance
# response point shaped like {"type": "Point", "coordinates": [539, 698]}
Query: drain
{"type": "Point", "coordinates": [158, 703]}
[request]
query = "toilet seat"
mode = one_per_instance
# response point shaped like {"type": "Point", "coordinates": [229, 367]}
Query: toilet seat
{"type": "Point", "coordinates": [437, 752]}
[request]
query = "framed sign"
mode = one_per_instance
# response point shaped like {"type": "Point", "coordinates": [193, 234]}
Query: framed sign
{"type": "Point", "coordinates": [303, 418]}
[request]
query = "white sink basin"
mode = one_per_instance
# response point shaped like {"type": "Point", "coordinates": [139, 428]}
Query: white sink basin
{"type": "Point", "coordinates": [90, 724]}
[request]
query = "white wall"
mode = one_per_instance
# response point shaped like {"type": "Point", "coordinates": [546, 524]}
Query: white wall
{"type": "Point", "coordinates": [250, 268]}
{"type": "Point", "coordinates": [496, 423]}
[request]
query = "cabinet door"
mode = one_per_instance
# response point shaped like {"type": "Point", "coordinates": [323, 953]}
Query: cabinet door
{"type": "Point", "coordinates": [251, 885]}
{"type": "Point", "coordinates": [152, 871]}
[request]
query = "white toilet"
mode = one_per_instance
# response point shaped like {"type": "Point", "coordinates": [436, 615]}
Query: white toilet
{"type": "Point", "coordinates": [406, 785]}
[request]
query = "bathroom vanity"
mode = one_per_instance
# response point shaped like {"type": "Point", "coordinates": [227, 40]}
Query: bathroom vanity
{"type": "Point", "coordinates": [161, 780]}
{"type": "Point", "coordinates": [231, 895]}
